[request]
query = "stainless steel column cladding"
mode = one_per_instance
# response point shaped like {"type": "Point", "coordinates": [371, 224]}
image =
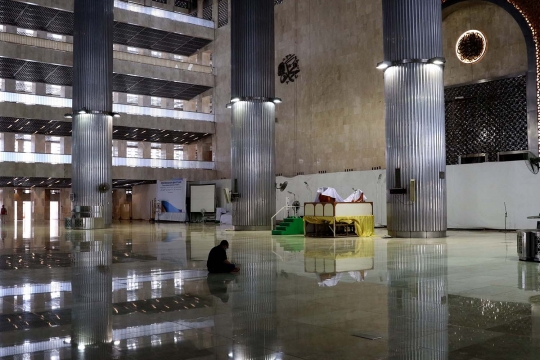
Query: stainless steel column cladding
{"type": "Point", "coordinates": [91, 314]}
{"type": "Point", "coordinates": [419, 302]}
{"type": "Point", "coordinates": [92, 104]}
{"type": "Point", "coordinates": [253, 118]}
{"type": "Point", "coordinates": [415, 122]}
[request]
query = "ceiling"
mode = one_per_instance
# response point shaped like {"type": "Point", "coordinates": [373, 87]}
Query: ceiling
{"type": "Point", "coordinates": [63, 128]}
{"type": "Point", "coordinates": [24, 70]}
{"type": "Point", "coordinates": [57, 183]}
{"type": "Point", "coordinates": [61, 22]}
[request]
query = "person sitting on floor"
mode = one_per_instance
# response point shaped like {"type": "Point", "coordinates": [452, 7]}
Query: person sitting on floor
{"type": "Point", "coordinates": [217, 260]}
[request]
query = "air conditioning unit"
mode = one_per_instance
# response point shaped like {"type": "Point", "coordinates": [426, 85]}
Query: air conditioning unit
{"type": "Point", "coordinates": [514, 156]}
{"type": "Point", "coordinates": [473, 158]}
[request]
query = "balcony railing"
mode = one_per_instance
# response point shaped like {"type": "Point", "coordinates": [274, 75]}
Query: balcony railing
{"type": "Point", "coordinates": [34, 158]}
{"type": "Point", "coordinates": [68, 47]}
{"type": "Point", "coordinates": [163, 14]}
{"type": "Point", "coordinates": [31, 99]}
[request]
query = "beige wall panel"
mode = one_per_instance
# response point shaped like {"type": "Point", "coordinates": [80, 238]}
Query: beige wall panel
{"type": "Point", "coordinates": [506, 53]}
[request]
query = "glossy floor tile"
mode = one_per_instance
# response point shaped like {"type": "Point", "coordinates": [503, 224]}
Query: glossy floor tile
{"type": "Point", "coordinates": [143, 289]}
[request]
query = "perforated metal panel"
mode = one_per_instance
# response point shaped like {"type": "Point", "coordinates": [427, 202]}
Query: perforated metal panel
{"type": "Point", "coordinates": [223, 13]}
{"type": "Point", "coordinates": [486, 118]}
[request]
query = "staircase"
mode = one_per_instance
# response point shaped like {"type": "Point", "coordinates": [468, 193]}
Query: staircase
{"type": "Point", "coordinates": [290, 226]}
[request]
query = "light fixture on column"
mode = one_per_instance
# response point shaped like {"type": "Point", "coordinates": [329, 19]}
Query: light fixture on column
{"type": "Point", "coordinates": [383, 65]}
{"type": "Point", "coordinates": [437, 61]}
{"type": "Point", "coordinates": [68, 116]}
{"type": "Point", "coordinates": [237, 99]}
{"type": "Point", "coordinates": [115, 115]}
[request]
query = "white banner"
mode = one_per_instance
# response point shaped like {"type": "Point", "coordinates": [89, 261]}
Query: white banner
{"type": "Point", "coordinates": [172, 196]}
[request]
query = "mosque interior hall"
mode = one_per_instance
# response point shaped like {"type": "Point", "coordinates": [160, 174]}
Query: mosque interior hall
{"type": "Point", "coordinates": [270, 179]}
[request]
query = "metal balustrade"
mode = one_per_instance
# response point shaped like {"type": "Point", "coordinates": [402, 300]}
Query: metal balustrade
{"type": "Point", "coordinates": [31, 99]}
{"type": "Point", "coordinates": [119, 55]}
{"type": "Point", "coordinates": [163, 14]}
{"type": "Point", "coordinates": [34, 158]}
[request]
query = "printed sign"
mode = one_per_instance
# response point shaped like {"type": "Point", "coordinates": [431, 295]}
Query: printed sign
{"type": "Point", "coordinates": [172, 196]}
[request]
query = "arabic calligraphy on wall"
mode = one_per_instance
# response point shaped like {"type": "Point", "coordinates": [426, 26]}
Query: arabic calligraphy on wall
{"type": "Point", "coordinates": [289, 69]}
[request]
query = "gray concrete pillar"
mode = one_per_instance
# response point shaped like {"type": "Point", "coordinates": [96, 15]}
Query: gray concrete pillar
{"type": "Point", "coordinates": [92, 105]}
{"type": "Point", "coordinates": [65, 145]}
{"type": "Point", "coordinates": [200, 8]}
{"type": "Point", "coordinates": [253, 113]}
{"type": "Point", "coordinates": [169, 151]}
{"type": "Point", "coordinates": [145, 149]}
{"type": "Point", "coordinates": [415, 124]}
{"type": "Point", "coordinates": [38, 144]}
{"type": "Point", "coordinates": [215, 12]}
{"type": "Point", "coordinates": [91, 283]}
{"type": "Point", "coordinates": [38, 202]}
{"type": "Point", "coordinates": [122, 148]}
{"type": "Point", "coordinates": [9, 142]}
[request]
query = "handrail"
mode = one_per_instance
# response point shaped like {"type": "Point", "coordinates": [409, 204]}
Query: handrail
{"type": "Point", "coordinates": [280, 210]}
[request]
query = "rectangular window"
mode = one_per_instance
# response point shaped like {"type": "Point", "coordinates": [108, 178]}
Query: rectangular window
{"type": "Point", "coordinates": [132, 150]}
{"type": "Point", "coordinates": [23, 143]}
{"type": "Point", "coordinates": [24, 86]}
{"type": "Point", "coordinates": [115, 97]}
{"type": "Point", "coordinates": [132, 50]}
{"type": "Point", "coordinates": [55, 90]}
{"type": "Point", "coordinates": [54, 144]}
{"type": "Point", "coordinates": [56, 37]}
{"type": "Point", "coordinates": [178, 58]}
{"type": "Point", "coordinates": [155, 101]}
{"type": "Point", "coordinates": [26, 32]}
{"type": "Point", "coordinates": [178, 104]}
{"type": "Point", "coordinates": [2, 28]}
{"type": "Point", "coordinates": [178, 152]}
{"type": "Point", "coordinates": [156, 54]}
{"type": "Point", "coordinates": [132, 99]}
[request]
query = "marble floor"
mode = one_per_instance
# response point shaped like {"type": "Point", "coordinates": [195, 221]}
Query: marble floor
{"type": "Point", "coordinates": [144, 288]}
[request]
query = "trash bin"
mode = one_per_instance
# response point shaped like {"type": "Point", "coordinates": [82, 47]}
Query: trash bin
{"type": "Point", "coordinates": [527, 245]}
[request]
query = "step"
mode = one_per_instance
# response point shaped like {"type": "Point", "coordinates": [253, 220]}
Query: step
{"type": "Point", "coordinates": [277, 232]}
{"type": "Point", "coordinates": [281, 228]}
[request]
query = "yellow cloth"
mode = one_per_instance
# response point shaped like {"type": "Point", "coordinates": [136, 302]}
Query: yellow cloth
{"type": "Point", "coordinates": [364, 225]}
{"type": "Point", "coordinates": [338, 249]}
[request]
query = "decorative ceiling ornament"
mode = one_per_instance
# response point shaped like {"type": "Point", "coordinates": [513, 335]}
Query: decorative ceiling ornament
{"type": "Point", "coordinates": [471, 47]}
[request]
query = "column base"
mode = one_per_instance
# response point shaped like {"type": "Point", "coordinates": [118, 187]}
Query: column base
{"type": "Point", "coordinates": [417, 234]}
{"type": "Point", "coordinates": [252, 228]}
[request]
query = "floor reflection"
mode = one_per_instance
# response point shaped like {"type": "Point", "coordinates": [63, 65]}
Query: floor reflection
{"type": "Point", "coordinates": [143, 290]}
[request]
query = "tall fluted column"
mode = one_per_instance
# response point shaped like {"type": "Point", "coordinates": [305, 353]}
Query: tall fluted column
{"type": "Point", "coordinates": [415, 128]}
{"type": "Point", "coordinates": [253, 113]}
{"type": "Point", "coordinates": [91, 283]}
{"type": "Point", "coordinates": [418, 301]}
{"type": "Point", "coordinates": [92, 105]}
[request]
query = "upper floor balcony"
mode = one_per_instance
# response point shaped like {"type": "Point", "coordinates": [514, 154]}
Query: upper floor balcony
{"type": "Point", "coordinates": [59, 159]}
{"type": "Point", "coordinates": [55, 101]}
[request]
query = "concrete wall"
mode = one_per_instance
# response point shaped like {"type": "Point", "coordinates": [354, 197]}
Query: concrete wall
{"type": "Point", "coordinates": [507, 51]}
{"type": "Point", "coordinates": [477, 193]}
{"type": "Point", "coordinates": [332, 116]}
{"type": "Point", "coordinates": [141, 200]}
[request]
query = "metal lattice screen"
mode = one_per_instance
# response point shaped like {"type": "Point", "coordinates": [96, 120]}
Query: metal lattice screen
{"type": "Point", "coordinates": [223, 13]}
{"type": "Point", "coordinates": [181, 4]}
{"type": "Point", "coordinates": [486, 118]}
{"type": "Point", "coordinates": [207, 13]}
